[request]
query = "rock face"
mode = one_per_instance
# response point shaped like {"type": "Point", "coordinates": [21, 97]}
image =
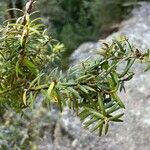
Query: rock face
{"type": "Point", "coordinates": [134, 133]}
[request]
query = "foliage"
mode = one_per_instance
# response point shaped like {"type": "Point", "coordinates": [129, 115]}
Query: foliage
{"type": "Point", "coordinates": [90, 89]}
{"type": "Point", "coordinates": [28, 131]}
{"type": "Point", "coordinates": [25, 51]}
{"type": "Point", "coordinates": [74, 22]}
{"type": "Point", "coordinates": [2, 8]}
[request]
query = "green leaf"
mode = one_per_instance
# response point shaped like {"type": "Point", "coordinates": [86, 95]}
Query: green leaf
{"type": "Point", "coordinates": [74, 92]}
{"type": "Point", "coordinates": [117, 99]}
{"type": "Point", "coordinates": [130, 47]}
{"type": "Point", "coordinates": [128, 66]}
{"type": "Point", "coordinates": [88, 88]}
{"type": "Point", "coordinates": [115, 80]}
{"type": "Point", "coordinates": [95, 113]}
{"type": "Point", "coordinates": [39, 87]}
{"type": "Point", "coordinates": [16, 9]}
{"type": "Point", "coordinates": [30, 66]}
{"type": "Point", "coordinates": [111, 83]}
{"type": "Point", "coordinates": [105, 65]}
{"type": "Point", "coordinates": [83, 89]}
{"type": "Point", "coordinates": [116, 118]}
{"type": "Point", "coordinates": [83, 77]}
{"type": "Point", "coordinates": [106, 127]}
{"type": "Point", "coordinates": [110, 69]}
{"type": "Point", "coordinates": [36, 19]}
{"type": "Point", "coordinates": [51, 87]}
{"type": "Point", "coordinates": [34, 31]}
{"type": "Point", "coordinates": [18, 70]}
{"type": "Point", "coordinates": [101, 104]}
{"type": "Point", "coordinates": [101, 129]}
{"type": "Point", "coordinates": [25, 97]}
{"type": "Point", "coordinates": [90, 122]}
{"type": "Point", "coordinates": [89, 78]}
{"type": "Point", "coordinates": [15, 25]}
{"type": "Point", "coordinates": [109, 104]}
{"type": "Point", "coordinates": [84, 114]}
{"type": "Point", "coordinates": [99, 125]}
{"type": "Point", "coordinates": [35, 80]}
{"type": "Point", "coordinates": [113, 109]}
{"type": "Point", "coordinates": [119, 45]}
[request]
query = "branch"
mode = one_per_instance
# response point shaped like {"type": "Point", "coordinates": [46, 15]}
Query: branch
{"type": "Point", "coordinates": [28, 9]}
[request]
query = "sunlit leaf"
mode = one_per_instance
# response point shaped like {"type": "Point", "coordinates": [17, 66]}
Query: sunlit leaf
{"type": "Point", "coordinates": [51, 87]}
{"type": "Point", "coordinates": [25, 97]}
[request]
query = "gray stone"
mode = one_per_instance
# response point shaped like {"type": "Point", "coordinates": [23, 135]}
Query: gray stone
{"type": "Point", "coordinates": [134, 133]}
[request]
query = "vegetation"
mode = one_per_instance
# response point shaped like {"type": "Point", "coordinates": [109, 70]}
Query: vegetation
{"type": "Point", "coordinates": [90, 89]}
{"type": "Point", "coordinates": [74, 22]}
{"type": "Point", "coordinates": [69, 20]}
{"type": "Point", "coordinates": [28, 68]}
{"type": "Point", "coordinates": [26, 132]}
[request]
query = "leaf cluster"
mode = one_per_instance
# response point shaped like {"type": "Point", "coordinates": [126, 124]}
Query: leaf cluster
{"type": "Point", "coordinates": [25, 51]}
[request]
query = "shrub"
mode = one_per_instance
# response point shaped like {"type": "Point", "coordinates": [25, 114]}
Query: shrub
{"type": "Point", "coordinates": [90, 89]}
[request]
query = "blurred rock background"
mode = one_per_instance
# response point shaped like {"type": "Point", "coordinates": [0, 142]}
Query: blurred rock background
{"type": "Point", "coordinates": [46, 129]}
